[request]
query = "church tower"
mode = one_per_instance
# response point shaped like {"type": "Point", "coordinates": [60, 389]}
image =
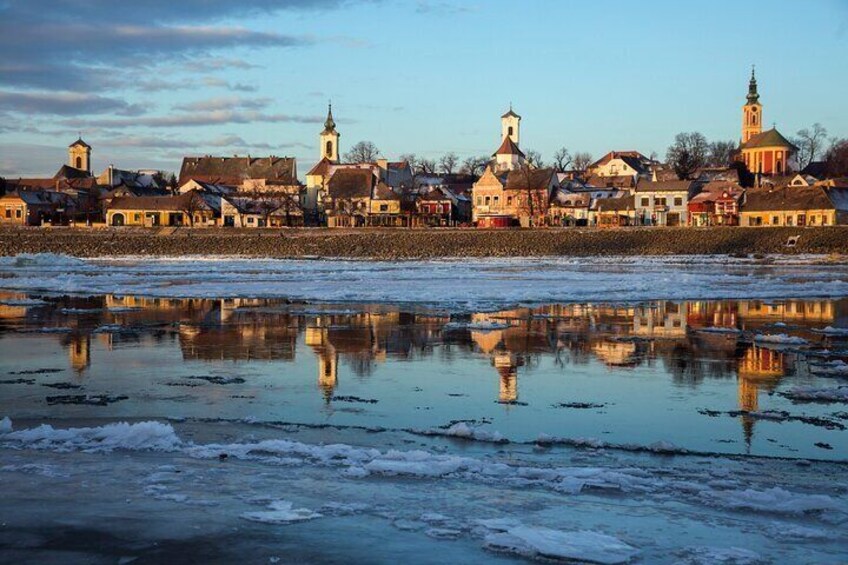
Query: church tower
{"type": "Point", "coordinates": [752, 112]}
{"type": "Point", "coordinates": [510, 123]}
{"type": "Point", "coordinates": [330, 138]}
{"type": "Point", "coordinates": [79, 155]}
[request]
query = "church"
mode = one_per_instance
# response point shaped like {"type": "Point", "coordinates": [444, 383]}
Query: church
{"type": "Point", "coordinates": [763, 152]}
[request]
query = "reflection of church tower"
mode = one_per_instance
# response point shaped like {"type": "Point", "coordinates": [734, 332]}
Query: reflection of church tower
{"type": "Point", "coordinates": [330, 138]}
{"type": "Point", "coordinates": [752, 111]}
{"type": "Point", "coordinates": [760, 367]}
{"type": "Point", "coordinates": [507, 367]}
{"type": "Point", "coordinates": [328, 360]}
{"type": "Point", "coordinates": [79, 351]}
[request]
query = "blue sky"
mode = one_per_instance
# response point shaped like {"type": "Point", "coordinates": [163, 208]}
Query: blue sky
{"type": "Point", "coordinates": [167, 79]}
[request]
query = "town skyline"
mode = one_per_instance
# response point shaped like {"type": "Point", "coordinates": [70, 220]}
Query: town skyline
{"type": "Point", "coordinates": [209, 90]}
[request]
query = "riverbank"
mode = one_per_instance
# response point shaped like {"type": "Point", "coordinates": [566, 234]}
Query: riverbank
{"type": "Point", "coordinates": [422, 244]}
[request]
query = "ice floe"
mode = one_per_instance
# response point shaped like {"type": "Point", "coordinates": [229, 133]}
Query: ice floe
{"type": "Point", "coordinates": [780, 339]}
{"type": "Point", "coordinates": [581, 546]}
{"type": "Point", "coordinates": [817, 394]}
{"type": "Point", "coordinates": [281, 512]}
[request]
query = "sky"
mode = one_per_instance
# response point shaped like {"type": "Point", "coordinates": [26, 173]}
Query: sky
{"type": "Point", "coordinates": [147, 83]}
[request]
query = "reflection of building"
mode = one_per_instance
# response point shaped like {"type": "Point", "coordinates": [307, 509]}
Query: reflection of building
{"type": "Point", "coordinates": [616, 353]}
{"type": "Point", "coordinates": [797, 311]}
{"type": "Point", "coordinates": [660, 320]}
{"type": "Point", "coordinates": [328, 360]}
{"type": "Point", "coordinates": [507, 367]}
{"type": "Point", "coordinates": [760, 367]}
{"type": "Point", "coordinates": [79, 351]}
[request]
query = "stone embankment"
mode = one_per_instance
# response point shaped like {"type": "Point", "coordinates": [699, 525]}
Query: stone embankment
{"type": "Point", "coordinates": [415, 244]}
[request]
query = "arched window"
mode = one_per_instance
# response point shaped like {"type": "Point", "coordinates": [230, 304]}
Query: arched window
{"type": "Point", "coordinates": [79, 162]}
{"type": "Point", "coordinates": [780, 167]}
{"type": "Point", "coordinates": [509, 131]}
{"type": "Point", "coordinates": [329, 149]}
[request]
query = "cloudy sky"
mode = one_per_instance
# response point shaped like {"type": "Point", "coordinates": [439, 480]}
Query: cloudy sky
{"type": "Point", "coordinates": [148, 82]}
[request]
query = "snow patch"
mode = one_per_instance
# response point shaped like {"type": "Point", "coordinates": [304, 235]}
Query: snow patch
{"type": "Point", "coordinates": [281, 512]}
{"type": "Point", "coordinates": [774, 500]}
{"type": "Point", "coordinates": [583, 546]}
{"type": "Point", "coordinates": [780, 339]}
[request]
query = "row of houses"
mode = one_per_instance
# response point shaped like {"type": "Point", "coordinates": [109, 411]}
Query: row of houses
{"type": "Point", "coordinates": [622, 188]}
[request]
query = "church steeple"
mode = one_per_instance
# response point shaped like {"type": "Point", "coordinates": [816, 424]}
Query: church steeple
{"type": "Point", "coordinates": [330, 137]}
{"type": "Point", "coordinates": [753, 95]}
{"type": "Point", "coordinates": [329, 123]}
{"type": "Point", "coordinates": [752, 111]}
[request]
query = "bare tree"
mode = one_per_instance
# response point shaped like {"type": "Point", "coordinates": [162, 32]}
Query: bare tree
{"type": "Point", "coordinates": [475, 165]}
{"type": "Point", "coordinates": [289, 205]}
{"type": "Point", "coordinates": [687, 154]}
{"type": "Point", "coordinates": [721, 153]}
{"type": "Point", "coordinates": [190, 203]}
{"type": "Point", "coordinates": [562, 159]}
{"type": "Point", "coordinates": [534, 200]}
{"type": "Point", "coordinates": [412, 159]}
{"type": "Point", "coordinates": [581, 161]}
{"type": "Point", "coordinates": [448, 163]}
{"type": "Point", "coordinates": [836, 158]}
{"type": "Point", "coordinates": [534, 159]}
{"type": "Point", "coordinates": [427, 166]}
{"type": "Point", "coordinates": [810, 142]}
{"type": "Point", "coordinates": [362, 152]}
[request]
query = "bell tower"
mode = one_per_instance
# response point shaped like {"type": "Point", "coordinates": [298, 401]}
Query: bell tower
{"type": "Point", "coordinates": [330, 138]}
{"type": "Point", "coordinates": [752, 111]}
{"type": "Point", "coordinates": [510, 124]}
{"type": "Point", "coordinates": [79, 155]}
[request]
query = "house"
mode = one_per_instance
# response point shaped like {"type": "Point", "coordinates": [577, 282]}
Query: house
{"type": "Point", "coordinates": [36, 207]}
{"type": "Point", "coordinates": [664, 203]}
{"type": "Point", "coordinates": [384, 208]}
{"type": "Point", "coordinates": [189, 209]}
{"type": "Point", "coordinates": [817, 205]}
{"type": "Point", "coordinates": [716, 205]}
{"type": "Point", "coordinates": [621, 164]}
{"type": "Point", "coordinates": [521, 195]}
{"type": "Point", "coordinates": [569, 208]}
{"type": "Point", "coordinates": [270, 173]}
{"type": "Point", "coordinates": [619, 182]}
{"type": "Point", "coordinates": [348, 200]}
{"type": "Point", "coordinates": [614, 212]}
{"type": "Point", "coordinates": [440, 206]}
{"type": "Point", "coordinates": [142, 179]}
{"type": "Point", "coordinates": [240, 211]}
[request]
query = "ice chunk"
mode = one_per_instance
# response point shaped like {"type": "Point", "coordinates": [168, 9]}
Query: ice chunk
{"type": "Point", "coordinates": [831, 331]}
{"type": "Point", "coordinates": [780, 339]}
{"type": "Point", "coordinates": [153, 436]}
{"type": "Point", "coordinates": [583, 546]}
{"type": "Point", "coordinates": [5, 425]}
{"type": "Point", "coordinates": [774, 500]}
{"type": "Point", "coordinates": [281, 512]}
{"type": "Point", "coordinates": [465, 431]}
{"type": "Point", "coordinates": [814, 394]}
{"type": "Point", "coordinates": [734, 555]}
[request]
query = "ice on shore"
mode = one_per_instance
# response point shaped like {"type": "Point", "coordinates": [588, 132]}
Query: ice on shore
{"type": "Point", "coordinates": [281, 512]}
{"type": "Point", "coordinates": [582, 546]}
{"type": "Point", "coordinates": [153, 436]}
{"type": "Point", "coordinates": [831, 331]}
{"type": "Point", "coordinates": [460, 285]}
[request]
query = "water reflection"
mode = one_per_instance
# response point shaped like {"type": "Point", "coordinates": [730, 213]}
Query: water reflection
{"type": "Point", "coordinates": [676, 337]}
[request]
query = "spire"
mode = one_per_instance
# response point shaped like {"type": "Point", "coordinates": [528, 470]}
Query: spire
{"type": "Point", "coordinates": [329, 124]}
{"type": "Point", "coordinates": [753, 95]}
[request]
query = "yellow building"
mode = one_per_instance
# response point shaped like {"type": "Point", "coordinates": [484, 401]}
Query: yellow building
{"type": "Point", "coordinates": [795, 206]}
{"type": "Point", "coordinates": [155, 211]}
{"type": "Point", "coordinates": [79, 155]}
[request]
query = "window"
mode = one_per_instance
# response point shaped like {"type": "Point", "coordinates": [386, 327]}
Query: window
{"type": "Point", "coordinates": [329, 149]}
{"type": "Point", "coordinates": [479, 201]}
{"type": "Point", "coordinates": [384, 207]}
{"type": "Point", "coordinates": [496, 199]}
{"type": "Point", "coordinates": [138, 217]}
{"type": "Point", "coordinates": [509, 200]}
{"type": "Point", "coordinates": [659, 201]}
{"type": "Point", "coordinates": [824, 220]}
{"type": "Point", "coordinates": [250, 220]}
{"type": "Point", "coordinates": [678, 201]}
{"type": "Point", "coordinates": [488, 200]}
{"type": "Point", "coordinates": [788, 220]}
{"type": "Point", "coordinates": [8, 212]}
{"type": "Point", "coordinates": [18, 213]}
{"type": "Point", "coordinates": [79, 162]}
{"type": "Point", "coordinates": [812, 220]}
{"type": "Point", "coordinates": [646, 202]}
{"type": "Point", "coordinates": [775, 221]}
{"type": "Point", "coordinates": [509, 131]}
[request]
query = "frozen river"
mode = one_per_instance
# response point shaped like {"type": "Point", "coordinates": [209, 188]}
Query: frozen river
{"type": "Point", "coordinates": [659, 411]}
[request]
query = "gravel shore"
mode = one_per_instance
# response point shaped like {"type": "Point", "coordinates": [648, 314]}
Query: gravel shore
{"type": "Point", "coordinates": [417, 244]}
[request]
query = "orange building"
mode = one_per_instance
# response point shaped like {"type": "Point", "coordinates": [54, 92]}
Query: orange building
{"type": "Point", "coordinates": [763, 152]}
